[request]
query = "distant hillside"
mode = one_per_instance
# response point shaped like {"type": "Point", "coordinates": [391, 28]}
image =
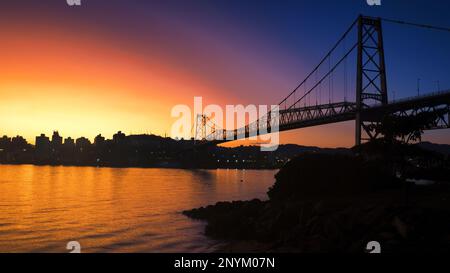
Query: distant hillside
{"type": "Point", "coordinates": [439, 148]}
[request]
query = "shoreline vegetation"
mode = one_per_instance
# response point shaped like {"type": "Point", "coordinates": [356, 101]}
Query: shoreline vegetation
{"type": "Point", "coordinates": [324, 202]}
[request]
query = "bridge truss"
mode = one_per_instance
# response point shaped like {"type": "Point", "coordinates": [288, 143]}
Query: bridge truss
{"type": "Point", "coordinates": [311, 103]}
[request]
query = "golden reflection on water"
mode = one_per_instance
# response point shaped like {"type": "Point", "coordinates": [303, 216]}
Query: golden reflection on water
{"type": "Point", "coordinates": [114, 209]}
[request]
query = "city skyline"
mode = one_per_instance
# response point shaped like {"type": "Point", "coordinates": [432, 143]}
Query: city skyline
{"type": "Point", "coordinates": [137, 151]}
{"type": "Point", "coordinates": [55, 135]}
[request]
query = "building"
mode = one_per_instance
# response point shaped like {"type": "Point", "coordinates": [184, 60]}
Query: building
{"type": "Point", "coordinates": [42, 142]}
{"type": "Point", "coordinates": [42, 151]}
{"type": "Point", "coordinates": [57, 140]}
{"type": "Point", "coordinates": [119, 137]}
{"type": "Point", "coordinates": [99, 140]}
{"type": "Point", "coordinates": [5, 142]}
{"type": "Point", "coordinates": [82, 144]}
{"type": "Point", "coordinates": [19, 142]}
{"type": "Point", "coordinates": [5, 146]}
{"type": "Point", "coordinates": [69, 143]}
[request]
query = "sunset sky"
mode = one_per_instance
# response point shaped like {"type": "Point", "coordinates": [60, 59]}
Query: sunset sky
{"type": "Point", "coordinates": [122, 65]}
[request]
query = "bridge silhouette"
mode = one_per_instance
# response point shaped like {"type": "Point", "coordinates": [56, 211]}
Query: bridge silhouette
{"type": "Point", "coordinates": [304, 106]}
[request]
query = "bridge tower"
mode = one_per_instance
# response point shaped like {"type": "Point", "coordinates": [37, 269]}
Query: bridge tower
{"type": "Point", "coordinates": [371, 87]}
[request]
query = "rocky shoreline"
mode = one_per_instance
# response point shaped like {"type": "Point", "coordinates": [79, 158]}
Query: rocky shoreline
{"type": "Point", "coordinates": [330, 226]}
{"type": "Point", "coordinates": [301, 216]}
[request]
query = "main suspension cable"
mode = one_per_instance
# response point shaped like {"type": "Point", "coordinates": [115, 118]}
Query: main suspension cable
{"type": "Point", "coordinates": [416, 24]}
{"type": "Point", "coordinates": [321, 62]}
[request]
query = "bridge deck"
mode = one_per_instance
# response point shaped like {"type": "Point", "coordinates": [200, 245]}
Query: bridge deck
{"type": "Point", "coordinates": [302, 117]}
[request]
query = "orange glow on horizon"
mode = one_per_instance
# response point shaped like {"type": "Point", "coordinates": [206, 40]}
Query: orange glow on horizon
{"type": "Point", "coordinates": [83, 86]}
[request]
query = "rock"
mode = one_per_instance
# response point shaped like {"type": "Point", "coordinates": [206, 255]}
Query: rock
{"type": "Point", "coordinates": [400, 226]}
{"type": "Point", "coordinates": [386, 236]}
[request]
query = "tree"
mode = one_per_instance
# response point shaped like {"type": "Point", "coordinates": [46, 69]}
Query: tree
{"type": "Point", "coordinates": [406, 128]}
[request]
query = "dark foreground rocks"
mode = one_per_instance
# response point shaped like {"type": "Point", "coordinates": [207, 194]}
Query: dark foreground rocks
{"type": "Point", "coordinates": [333, 203]}
{"type": "Point", "coordinates": [328, 226]}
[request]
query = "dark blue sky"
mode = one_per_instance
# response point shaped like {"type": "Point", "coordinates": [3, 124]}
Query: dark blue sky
{"type": "Point", "coordinates": [307, 29]}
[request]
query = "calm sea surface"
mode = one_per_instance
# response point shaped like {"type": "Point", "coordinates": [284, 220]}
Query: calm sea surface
{"type": "Point", "coordinates": [115, 210]}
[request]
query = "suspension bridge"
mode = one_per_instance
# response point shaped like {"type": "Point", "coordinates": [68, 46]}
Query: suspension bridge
{"type": "Point", "coordinates": [313, 102]}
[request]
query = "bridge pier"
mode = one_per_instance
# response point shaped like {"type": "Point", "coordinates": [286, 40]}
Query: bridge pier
{"type": "Point", "coordinates": [371, 87]}
{"type": "Point", "coordinates": [358, 129]}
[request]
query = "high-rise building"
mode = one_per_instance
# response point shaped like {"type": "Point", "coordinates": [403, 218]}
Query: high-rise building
{"type": "Point", "coordinates": [57, 140]}
{"type": "Point", "coordinates": [119, 137]}
{"type": "Point", "coordinates": [42, 147]}
{"type": "Point", "coordinates": [68, 150]}
{"type": "Point", "coordinates": [5, 142]}
{"type": "Point", "coordinates": [19, 142]}
{"type": "Point", "coordinates": [69, 143]}
{"type": "Point", "coordinates": [82, 144]}
{"type": "Point", "coordinates": [99, 140]}
{"type": "Point", "coordinates": [42, 141]}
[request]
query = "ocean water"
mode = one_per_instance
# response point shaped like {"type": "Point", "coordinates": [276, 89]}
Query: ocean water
{"type": "Point", "coordinates": [42, 208]}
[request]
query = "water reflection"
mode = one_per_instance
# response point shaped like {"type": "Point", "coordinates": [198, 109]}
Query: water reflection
{"type": "Point", "coordinates": [113, 209]}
